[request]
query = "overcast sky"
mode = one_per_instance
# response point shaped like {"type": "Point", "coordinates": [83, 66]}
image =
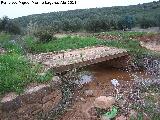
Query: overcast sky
{"type": "Point", "coordinates": [18, 10]}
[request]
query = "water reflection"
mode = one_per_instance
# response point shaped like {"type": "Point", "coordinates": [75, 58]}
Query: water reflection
{"type": "Point", "coordinates": [84, 79]}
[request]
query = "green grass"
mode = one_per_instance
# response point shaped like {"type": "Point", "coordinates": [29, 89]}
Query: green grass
{"type": "Point", "coordinates": [126, 34]}
{"type": "Point", "coordinates": [81, 42]}
{"type": "Point", "coordinates": [8, 45]}
{"type": "Point", "coordinates": [4, 37]}
{"type": "Point", "coordinates": [74, 42]}
{"type": "Point", "coordinates": [17, 72]}
{"type": "Point", "coordinates": [131, 46]}
{"type": "Point", "coordinates": [62, 44]}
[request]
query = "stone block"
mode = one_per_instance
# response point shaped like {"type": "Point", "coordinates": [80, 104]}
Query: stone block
{"type": "Point", "coordinates": [89, 93]}
{"type": "Point", "coordinates": [104, 102]}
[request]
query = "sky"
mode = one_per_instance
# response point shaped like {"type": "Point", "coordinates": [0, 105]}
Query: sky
{"type": "Point", "coordinates": [21, 9]}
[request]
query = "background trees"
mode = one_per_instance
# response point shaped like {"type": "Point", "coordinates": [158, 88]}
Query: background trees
{"type": "Point", "coordinates": [7, 25]}
{"type": "Point", "coordinates": [92, 20]}
{"type": "Point", "coordinates": [158, 20]}
{"type": "Point", "coordinates": [146, 22]}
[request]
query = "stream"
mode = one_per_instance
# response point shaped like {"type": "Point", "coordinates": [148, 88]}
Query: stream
{"type": "Point", "coordinates": [95, 81]}
{"type": "Point", "coordinates": [80, 89]}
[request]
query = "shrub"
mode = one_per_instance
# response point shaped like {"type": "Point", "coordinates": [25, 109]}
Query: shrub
{"type": "Point", "coordinates": [44, 36]}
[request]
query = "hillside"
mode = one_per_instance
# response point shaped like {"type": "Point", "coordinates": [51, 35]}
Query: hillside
{"type": "Point", "coordinates": [74, 20]}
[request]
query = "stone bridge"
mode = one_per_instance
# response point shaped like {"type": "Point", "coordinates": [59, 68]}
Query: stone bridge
{"type": "Point", "coordinates": [70, 59]}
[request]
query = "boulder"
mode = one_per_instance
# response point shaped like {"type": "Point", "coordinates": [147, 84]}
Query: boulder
{"type": "Point", "coordinates": [89, 93]}
{"type": "Point", "coordinates": [82, 99]}
{"type": "Point", "coordinates": [103, 117]}
{"type": "Point", "coordinates": [104, 102]}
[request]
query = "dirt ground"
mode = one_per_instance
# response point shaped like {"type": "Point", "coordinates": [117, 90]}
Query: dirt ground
{"type": "Point", "coordinates": [83, 108]}
{"type": "Point", "coordinates": [108, 37]}
{"type": "Point", "coordinates": [151, 42]}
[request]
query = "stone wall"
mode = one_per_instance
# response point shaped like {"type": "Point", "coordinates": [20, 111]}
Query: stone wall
{"type": "Point", "coordinates": [34, 102]}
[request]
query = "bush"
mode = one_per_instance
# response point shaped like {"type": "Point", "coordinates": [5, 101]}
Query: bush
{"type": "Point", "coordinates": [44, 36]}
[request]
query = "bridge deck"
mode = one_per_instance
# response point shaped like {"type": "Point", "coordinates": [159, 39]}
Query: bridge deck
{"type": "Point", "coordinates": [78, 58]}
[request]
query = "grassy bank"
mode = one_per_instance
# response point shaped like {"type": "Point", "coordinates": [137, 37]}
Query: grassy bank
{"type": "Point", "coordinates": [69, 42]}
{"type": "Point", "coordinates": [126, 40]}
{"type": "Point", "coordinates": [15, 70]}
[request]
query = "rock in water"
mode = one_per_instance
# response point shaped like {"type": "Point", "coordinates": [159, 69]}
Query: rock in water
{"type": "Point", "coordinates": [103, 117]}
{"type": "Point", "coordinates": [122, 117]}
{"type": "Point", "coordinates": [104, 102]}
{"type": "Point", "coordinates": [115, 82]}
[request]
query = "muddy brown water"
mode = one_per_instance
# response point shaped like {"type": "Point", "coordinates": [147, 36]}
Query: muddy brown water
{"type": "Point", "coordinates": [93, 83]}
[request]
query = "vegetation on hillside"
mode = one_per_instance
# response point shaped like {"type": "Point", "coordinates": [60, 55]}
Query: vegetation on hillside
{"type": "Point", "coordinates": [96, 19]}
{"type": "Point", "coordinates": [9, 26]}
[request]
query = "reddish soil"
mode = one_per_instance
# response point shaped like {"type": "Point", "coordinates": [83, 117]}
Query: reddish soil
{"type": "Point", "coordinates": [83, 108]}
{"type": "Point", "coordinates": [149, 38]}
{"type": "Point", "coordinates": [151, 42]}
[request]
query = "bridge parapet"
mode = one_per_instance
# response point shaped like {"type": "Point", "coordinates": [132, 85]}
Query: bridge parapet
{"type": "Point", "coordinates": [78, 58]}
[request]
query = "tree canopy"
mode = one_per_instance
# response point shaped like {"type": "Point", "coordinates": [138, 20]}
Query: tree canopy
{"type": "Point", "coordinates": [97, 19]}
